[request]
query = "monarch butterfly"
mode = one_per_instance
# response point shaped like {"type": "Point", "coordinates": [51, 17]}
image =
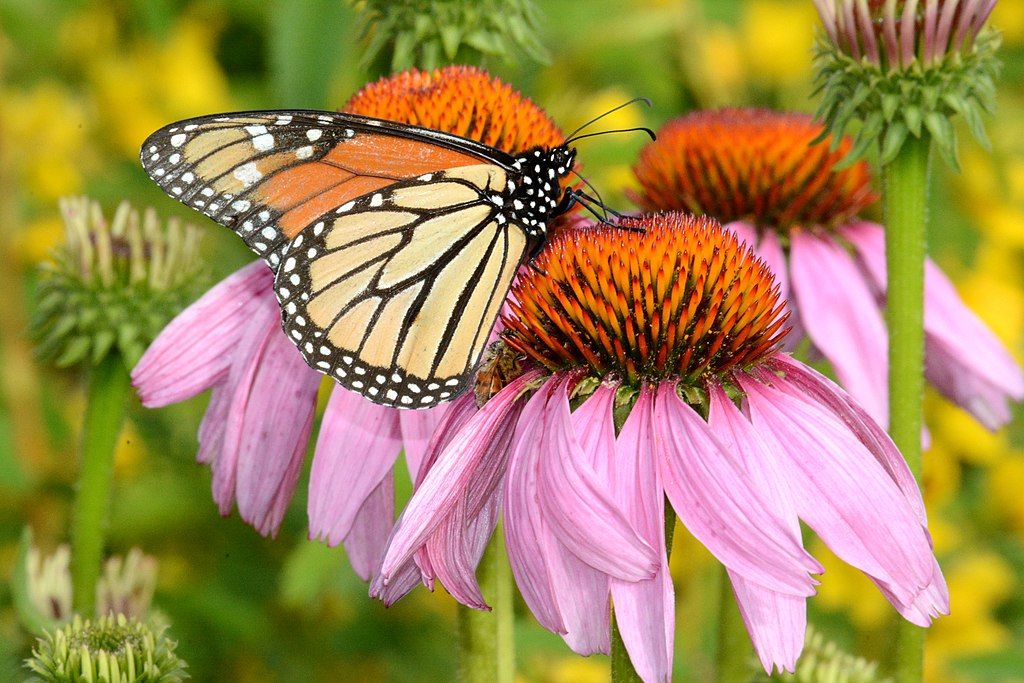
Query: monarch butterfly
{"type": "Point", "coordinates": [394, 246]}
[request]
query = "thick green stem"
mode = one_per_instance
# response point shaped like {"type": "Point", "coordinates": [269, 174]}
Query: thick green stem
{"type": "Point", "coordinates": [733, 650]}
{"type": "Point", "coordinates": [622, 666]}
{"type": "Point", "coordinates": [905, 197]}
{"type": "Point", "coordinates": [109, 387]}
{"type": "Point", "coordinates": [487, 639]}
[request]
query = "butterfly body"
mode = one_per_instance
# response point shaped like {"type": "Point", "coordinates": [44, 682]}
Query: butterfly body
{"type": "Point", "coordinates": [393, 246]}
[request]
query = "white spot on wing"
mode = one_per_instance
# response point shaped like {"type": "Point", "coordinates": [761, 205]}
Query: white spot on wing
{"type": "Point", "coordinates": [248, 174]}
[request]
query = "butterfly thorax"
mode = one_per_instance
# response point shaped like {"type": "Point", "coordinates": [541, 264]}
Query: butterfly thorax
{"type": "Point", "coordinates": [535, 198]}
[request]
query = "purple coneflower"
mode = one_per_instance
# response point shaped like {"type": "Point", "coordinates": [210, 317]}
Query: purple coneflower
{"type": "Point", "coordinates": [757, 172]}
{"type": "Point", "coordinates": [257, 426]}
{"type": "Point", "coordinates": [649, 367]}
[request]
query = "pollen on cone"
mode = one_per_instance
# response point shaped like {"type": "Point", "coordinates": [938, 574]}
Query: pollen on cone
{"type": "Point", "coordinates": [462, 100]}
{"type": "Point", "coordinates": [657, 296]}
{"type": "Point", "coordinates": [754, 165]}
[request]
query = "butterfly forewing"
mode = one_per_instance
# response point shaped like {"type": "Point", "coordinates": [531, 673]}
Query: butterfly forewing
{"type": "Point", "coordinates": [267, 175]}
{"type": "Point", "coordinates": [394, 294]}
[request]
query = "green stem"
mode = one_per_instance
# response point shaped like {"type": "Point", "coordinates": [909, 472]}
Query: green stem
{"type": "Point", "coordinates": [733, 650]}
{"type": "Point", "coordinates": [487, 639]}
{"type": "Point", "coordinates": [622, 666]}
{"type": "Point", "coordinates": [109, 387]}
{"type": "Point", "coordinates": [905, 197]}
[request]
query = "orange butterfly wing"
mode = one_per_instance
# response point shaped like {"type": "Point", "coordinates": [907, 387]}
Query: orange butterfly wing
{"type": "Point", "coordinates": [267, 175]}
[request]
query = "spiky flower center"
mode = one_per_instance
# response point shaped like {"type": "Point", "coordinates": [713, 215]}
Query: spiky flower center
{"type": "Point", "coordinates": [753, 165]}
{"type": "Point", "coordinates": [462, 100]}
{"type": "Point", "coordinates": [667, 295]}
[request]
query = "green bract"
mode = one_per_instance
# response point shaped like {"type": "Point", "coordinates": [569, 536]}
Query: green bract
{"type": "Point", "coordinates": [890, 104]}
{"type": "Point", "coordinates": [430, 33]}
{"type": "Point", "coordinates": [112, 286]}
{"type": "Point", "coordinates": [111, 649]}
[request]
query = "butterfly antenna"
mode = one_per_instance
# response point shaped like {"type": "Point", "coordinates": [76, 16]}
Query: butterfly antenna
{"type": "Point", "coordinates": [600, 199]}
{"type": "Point", "coordinates": [617, 130]}
{"type": "Point", "coordinates": [610, 111]}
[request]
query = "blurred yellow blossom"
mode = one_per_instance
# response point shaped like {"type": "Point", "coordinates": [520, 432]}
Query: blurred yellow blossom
{"type": "Point", "coordinates": [845, 589]}
{"type": "Point", "coordinates": [941, 464]}
{"type": "Point", "coordinates": [1008, 17]}
{"type": "Point", "coordinates": [1004, 485]}
{"type": "Point", "coordinates": [777, 36]}
{"type": "Point", "coordinates": [154, 83]}
{"type": "Point", "coordinates": [978, 584]}
{"type": "Point", "coordinates": [43, 136]}
{"type": "Point", "coordinates": [715, 64]}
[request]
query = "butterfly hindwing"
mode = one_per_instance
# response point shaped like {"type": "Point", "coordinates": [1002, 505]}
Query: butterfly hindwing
{"type": "Point", "coordinates": [266, 175]}
{"type": "Point", "coordinates": [393, 294]}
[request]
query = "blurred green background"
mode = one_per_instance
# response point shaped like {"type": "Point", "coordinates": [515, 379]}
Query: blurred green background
{"type": "Point", "coordinates": [83, 83]}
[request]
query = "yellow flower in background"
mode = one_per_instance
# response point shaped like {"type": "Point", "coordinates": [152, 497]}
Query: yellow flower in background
{"type": "Point", "coordinates": [845, 589]}
{"type": "Point", "coordinates": [777, 36]}
{"type": "Point", "coordinates": [715, 65]}
{"type": "Point", "coordinates": [1003, 487]}
{"type": "Point", "coordinates": [153, 83]}
{"type": "Point", "coordinates": [978, 584]}
{"type": "Point", "coordinates": [1008, 18]}
{"type": "Point", "coordinates": [43, 138]}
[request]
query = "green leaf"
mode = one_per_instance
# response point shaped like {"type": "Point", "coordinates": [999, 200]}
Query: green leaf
{"type": "Point", "coordinates": [451, 36]}
{"type": "Point", "coordinates": [913, 118]}
{"type": "Point", "coordinates": [74, 351]}
{"type": "Point", "coordinates": [895, 134]}
{"type": "Point", "coordinates": [404, 48]}
{"type": "Point", "coordinates": [945, 137]}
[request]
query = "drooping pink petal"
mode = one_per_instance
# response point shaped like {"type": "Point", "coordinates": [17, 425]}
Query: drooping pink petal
{"type": "Point", "coordinates": [417, 428]}
{"type": "Point", "coordinates": [355, 451]}
{"type": "Point", "coordinates": [644, 610]}
{"type": "Point", "coordinates": [456, 546]}
{"type": "Point", "coordinates": [368, 534]}
{"type": "Point", "coordinates": [841, 316]}
{"type": "Point", "coordinates": [579, 509]}
{"type": "Point", "coordinates": [448, 478]}
{"type": "Point", "coordinates": [582, 596]}
{"type": "Point", "coordinates": [842, 491]}
{"type": "Point", "coordinates": [524, 525]}
{"type": "Point", "coordinates": [925, 605]}
{"type": "Point", "coordinates": [721, 505]}
{"type": "Point", "coordinates": [221, 431]}
{"type": "Point", "coordinates": [802, 380]}
{"type": "Point", "coordinates": [274, 433]}
{"type": "Point", "coordinates": [456, 415]}
{"type": "Point", "coordinates": [196, 349]}
{"type": "Point", "coordinates": [964, 360]}
{"type": "Point", "coordinates": [595, 430]}
{"type": "Point", "coordinates": [776, 622]}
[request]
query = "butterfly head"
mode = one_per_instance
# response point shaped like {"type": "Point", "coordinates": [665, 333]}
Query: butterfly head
{"type": "Point", "coordinates": [537, 197]}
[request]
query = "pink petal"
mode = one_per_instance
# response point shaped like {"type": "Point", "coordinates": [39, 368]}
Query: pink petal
{"type": "Point", "coordinates": [842, 491]}
{"type": "Point", "coordinates": [776, 622]}
{"type": "Point", "coordinates": [595, 430]}
{"type": "Point", "coordinates": [355, 451]}
{"type": "Point", "coordinates": [582, 595]}
{"type": "Point", "coordinates": [275, 433]}
{"type": "Point", "coordinates": [221, 429]}
{"type": "Point", "coordinates": [524, 525]}
{"type": "Point", "coordinates": [578, 508]}
{"type": "Point", "coordinates": [417, 428]}
{"type": "Point", "coordinates": [455, 548]}
{"type": "Point", "coordinates": [965, 361]}
{"type": "Point", "coordinates": [483, 438]}
{"type": "Point", "coordinates": [196, 348]}
{"type": "Point", "coordinates": [368, 535]}
{"type": "Point", "coordinates": [804, 381]}
{"type": "Point", "coordinates": [644, 610]}
{"type": "Point", "coordinates": [397, 586]}
{"type": "Point", "coordinates": [841, 316]}
{"type": "Point", "coordinates": [720, 504]}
